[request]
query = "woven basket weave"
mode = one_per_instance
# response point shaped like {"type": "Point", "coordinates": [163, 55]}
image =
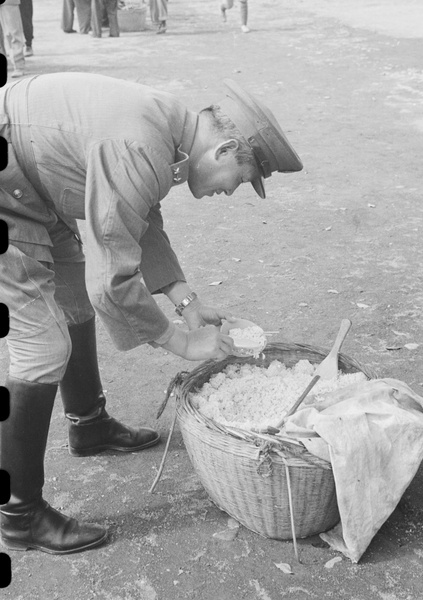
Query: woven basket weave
{"type": "Point", "coordinates": [254, 477]}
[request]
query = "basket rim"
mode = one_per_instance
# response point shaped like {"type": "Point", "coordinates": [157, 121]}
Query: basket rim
{"type": "Point", "coordinates": [291, 446]}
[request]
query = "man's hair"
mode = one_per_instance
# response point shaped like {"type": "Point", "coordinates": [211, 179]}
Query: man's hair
{"type": "Point", "coordinates": [222, 125]}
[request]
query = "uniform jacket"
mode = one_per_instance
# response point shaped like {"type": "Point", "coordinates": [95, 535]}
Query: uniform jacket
{"type": "Point", "coordinates": [84, 146]}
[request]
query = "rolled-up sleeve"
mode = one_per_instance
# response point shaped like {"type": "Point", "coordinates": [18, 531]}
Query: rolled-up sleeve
{"type": "Point", "coordinates": [124, 182]}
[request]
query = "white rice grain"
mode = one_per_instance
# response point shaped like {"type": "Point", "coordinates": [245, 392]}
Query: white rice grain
{"type": "Point", "coordinates": [249, 397]}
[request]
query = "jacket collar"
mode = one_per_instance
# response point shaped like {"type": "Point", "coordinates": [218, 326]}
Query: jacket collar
{"type": "Point", "coordinates": [180, 167]}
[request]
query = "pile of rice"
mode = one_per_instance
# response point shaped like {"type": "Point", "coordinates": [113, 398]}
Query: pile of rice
{"type": "Point", "coordinates": [249, 397]}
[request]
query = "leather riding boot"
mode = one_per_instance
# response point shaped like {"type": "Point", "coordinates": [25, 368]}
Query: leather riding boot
{"type": "Point", "coordinates": [91, 429]}
{"type": "Point", "coordinates": [28, 521]}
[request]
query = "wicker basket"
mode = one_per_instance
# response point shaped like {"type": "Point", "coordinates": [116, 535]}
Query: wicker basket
{"type": "Point", "coordinates": [256, 478]}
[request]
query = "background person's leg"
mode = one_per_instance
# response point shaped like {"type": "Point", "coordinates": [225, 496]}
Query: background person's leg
{"type": "Point", "coordinates": [68, 8]}
{"type": "Point", "coordinates": [26, 10]}
{"type": "Point", "coordinates": [158, 14]}
{"type": "Point", "coordinates": [224, 6]}
{"type": "Point", "coordinates": [112, 12]}
{"type": "Point", "coordinates": [96, 17]}
{"type": "Point", "coordinates": [11, 23]}
{"type": "Point", "coordinates": [243, 5]}
{"type": "Point", "coordinates": [83, 11]}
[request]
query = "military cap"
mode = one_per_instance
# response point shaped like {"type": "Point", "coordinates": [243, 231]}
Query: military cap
{"type": "Point", "coordinates": [258, 126]}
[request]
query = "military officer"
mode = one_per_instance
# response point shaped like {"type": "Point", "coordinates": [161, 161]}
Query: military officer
{"type": "Point", "coordinates": [84, 146]}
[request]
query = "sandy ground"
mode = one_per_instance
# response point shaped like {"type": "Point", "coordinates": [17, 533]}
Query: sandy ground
{"type": "Point", "coordinates": [341, 239]}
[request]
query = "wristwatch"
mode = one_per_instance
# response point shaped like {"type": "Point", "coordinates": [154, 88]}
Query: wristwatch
{"type": "Point", "coordinates": [187, 300]}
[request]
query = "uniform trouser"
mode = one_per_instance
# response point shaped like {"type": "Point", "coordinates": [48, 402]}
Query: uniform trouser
{"type": "Point", "coordinates": [158, 10]}
{"type": "Point", "coordinates": [227, 4]}
{"type": "Point", "coordinates": [83, 11]}
{"type": "Point", "coordinates": [43, 299]}
{"type": "Point", "coordinates": [26, 15]}
{"type": "Point", "coordinates": [97, 10]}
{"type": "Point", "coordinates": [14, 41]}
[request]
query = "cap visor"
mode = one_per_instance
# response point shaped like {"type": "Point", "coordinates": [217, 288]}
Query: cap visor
{"type": "Point", "coordinates": [255, 119]}
{"type": "Point", "coordinates": [258, 185]}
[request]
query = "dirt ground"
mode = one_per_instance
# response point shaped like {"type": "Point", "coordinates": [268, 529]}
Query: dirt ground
{"type": "Point", "coordinates": [341, 239]}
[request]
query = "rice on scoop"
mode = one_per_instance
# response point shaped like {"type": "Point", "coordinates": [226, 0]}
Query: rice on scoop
{"type": "Point", "coordinates": [249, 338]}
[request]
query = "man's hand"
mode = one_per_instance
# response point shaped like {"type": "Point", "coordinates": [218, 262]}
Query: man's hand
{"type": "Point", "coordinates": [201, 344]}
{"type": "Point", "coordinates": [198, 315]}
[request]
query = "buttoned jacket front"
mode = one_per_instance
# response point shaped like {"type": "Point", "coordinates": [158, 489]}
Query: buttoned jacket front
{"type": "Point", "coordinates": [91, 147]}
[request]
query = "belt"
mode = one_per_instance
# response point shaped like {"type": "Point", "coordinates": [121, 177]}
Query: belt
{"type": "Point", "coordinates": [28, 164]}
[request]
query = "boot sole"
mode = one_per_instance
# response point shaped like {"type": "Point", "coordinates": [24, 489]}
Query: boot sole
{"type": "Point", "coordinates": [98, 449]}
{"type": "Point", "coordinates": [23, 547]}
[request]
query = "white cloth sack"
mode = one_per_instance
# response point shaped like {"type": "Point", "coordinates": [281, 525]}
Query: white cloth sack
{"type": "Point", "coordinates": [372, 433]}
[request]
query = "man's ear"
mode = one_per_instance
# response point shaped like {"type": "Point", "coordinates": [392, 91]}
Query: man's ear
{"type": "Point", "coordinates": [226, 147]}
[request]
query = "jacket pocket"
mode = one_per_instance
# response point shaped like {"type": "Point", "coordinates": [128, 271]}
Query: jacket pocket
{"type": "Point", "coordinates": [72, 204]}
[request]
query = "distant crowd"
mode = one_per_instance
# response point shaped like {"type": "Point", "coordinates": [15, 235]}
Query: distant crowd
{"type": "Point", "coordinates": [17, 31]}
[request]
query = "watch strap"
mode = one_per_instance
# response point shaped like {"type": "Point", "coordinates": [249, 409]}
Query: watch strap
{"type": "Point", "coordinates": [184, 303]}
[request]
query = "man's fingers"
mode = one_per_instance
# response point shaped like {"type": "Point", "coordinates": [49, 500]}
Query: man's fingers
{"type": "Point", "coordinates": [226, 344]}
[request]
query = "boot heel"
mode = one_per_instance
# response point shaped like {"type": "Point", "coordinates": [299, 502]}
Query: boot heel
{"type": "Point", "coordinates": [18, 546]}
{"type": "Point", "coordinates": [83, 452]}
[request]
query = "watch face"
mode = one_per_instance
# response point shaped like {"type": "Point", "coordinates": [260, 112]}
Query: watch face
{"type": "Point", "coordinates": [184, 303]}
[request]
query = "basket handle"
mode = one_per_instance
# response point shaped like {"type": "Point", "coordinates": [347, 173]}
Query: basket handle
{"type": "Point", "coordinates": [176, 382]}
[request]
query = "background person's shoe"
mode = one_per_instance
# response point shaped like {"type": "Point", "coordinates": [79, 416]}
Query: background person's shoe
{"type": "Point", "coordinates": [245, 29]}
{"type": "Point", "coordinates": [28, 51]}
{"type": "Point", "coordinates": [17, 73]}
{"type": "Point", "coordinates": [162, 27]}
